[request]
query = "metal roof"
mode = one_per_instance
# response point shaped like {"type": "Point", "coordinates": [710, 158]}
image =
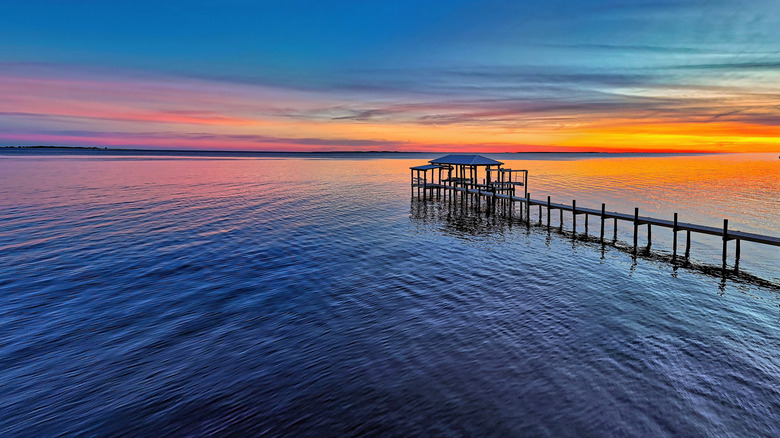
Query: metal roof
{"type": "Point", "coordinates": [425, 167]}
{"type": "Point", "coordinates": [466, 160]}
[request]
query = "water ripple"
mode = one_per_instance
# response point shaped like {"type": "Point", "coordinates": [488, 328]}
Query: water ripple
{"type": "Point", "coordinates": [274, 297]}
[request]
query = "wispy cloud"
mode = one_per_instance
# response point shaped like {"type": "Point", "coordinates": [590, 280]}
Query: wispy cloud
{"type": "Point", "coordinates": [407, 107]}
{"type": "Point", "coordinates": [179, 140]}
{"type": "Point", "coordinates": [737, 66]}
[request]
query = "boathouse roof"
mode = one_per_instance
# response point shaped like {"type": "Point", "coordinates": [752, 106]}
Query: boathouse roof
{"type": "Point", "coordinates": [425, 167]}
{"type": "Point", "coordinates": [466, 160]}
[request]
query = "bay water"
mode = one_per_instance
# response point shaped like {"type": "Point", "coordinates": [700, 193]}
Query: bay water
{"type": "Point", "coordinates": [153, 294]}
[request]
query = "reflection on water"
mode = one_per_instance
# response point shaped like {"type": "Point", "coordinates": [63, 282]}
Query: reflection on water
{"type": "Point", "coordinates": [466, 217]}
{"type": "Point", "coordinates": [285, 296]}
{"type": "Point", "coordinates": [462, 216]}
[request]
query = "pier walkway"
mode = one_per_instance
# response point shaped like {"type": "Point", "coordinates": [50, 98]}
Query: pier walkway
{"type": "Point", "coordinates": [502, 190]}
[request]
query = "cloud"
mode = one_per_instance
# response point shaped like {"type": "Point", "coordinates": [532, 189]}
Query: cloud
{"type": "Point", "coordinates": [736, 66]}
{"type": "Point", "coordinates": [636, 48]}
{"type": "Point", "coordinates": [183, 139]}
{"type": "Point", "coordinates": [400, 108]}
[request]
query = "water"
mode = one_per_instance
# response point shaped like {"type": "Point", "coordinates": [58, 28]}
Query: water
{"type": "Point", "coordinates": [307, 296]}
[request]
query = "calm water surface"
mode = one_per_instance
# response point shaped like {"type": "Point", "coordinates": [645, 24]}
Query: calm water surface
{"type": "Point", "coordinates": [311, 296]}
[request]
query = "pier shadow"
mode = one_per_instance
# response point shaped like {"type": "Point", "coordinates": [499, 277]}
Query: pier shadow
{"type": "Point", "coordinates": [464, 216]}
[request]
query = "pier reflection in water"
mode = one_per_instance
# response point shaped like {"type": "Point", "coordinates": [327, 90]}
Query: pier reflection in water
{"type": "Point", "coordinates": [462, 215]}
{"type": "Point", "coordinates": [467, 215]}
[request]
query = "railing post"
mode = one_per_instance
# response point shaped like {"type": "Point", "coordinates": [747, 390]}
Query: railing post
{"type": "Point", "coordinates": [548, 212]}
{"type": "Point", "coordinates": [528, 208]}
{"type": "Point", "coordinates": [725, 240]}
{"type": "Point", "coordinates": [636, 226]}
{"type": "Point", "coordinates": [674, 241]}
{"type": "Point", "coordinates": [574, 216]}
{"type": "Point", "coordinates": [525, 182]}
{"type": "Point", "coordinates": [603, 211]}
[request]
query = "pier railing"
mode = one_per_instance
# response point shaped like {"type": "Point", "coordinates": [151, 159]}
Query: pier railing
{"type": "Point", "coordinates": [675, 225]}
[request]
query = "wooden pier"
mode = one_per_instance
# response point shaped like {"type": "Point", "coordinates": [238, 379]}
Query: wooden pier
{"type": "Point", "coordinates": [466, 183]}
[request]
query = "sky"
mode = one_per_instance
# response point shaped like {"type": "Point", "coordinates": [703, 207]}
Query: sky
{"type": "Point", "coordinates": [488, 76]}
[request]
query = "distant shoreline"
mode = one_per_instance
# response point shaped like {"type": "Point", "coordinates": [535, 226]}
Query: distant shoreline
{"type": "Point", "coordinates": [136, 151]}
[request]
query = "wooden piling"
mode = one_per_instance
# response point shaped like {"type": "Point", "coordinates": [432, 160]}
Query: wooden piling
{"type": "Point", "coordinates": [614, 229]}
{"type": "Point", "coordinates": [649, 235]}
{"type": "Point", "coordinates": [561, 211]}
{"type": "Point", "coordinates": [687, 244]}
{"type": "Point", "coordinates": [586, 224]}
{"type": "Point", "coordinates": [736, 257]}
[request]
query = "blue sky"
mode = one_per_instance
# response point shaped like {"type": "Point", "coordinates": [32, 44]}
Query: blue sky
{"type": "Point", "coordinates": [497, 65]}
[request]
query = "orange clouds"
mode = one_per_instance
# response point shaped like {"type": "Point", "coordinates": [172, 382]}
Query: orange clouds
{"type": "Point", "coordinates": [54, 108]}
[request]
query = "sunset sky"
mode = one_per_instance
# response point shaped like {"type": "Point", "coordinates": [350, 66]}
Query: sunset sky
{"type": "Point", "coordinates": [402, 75]}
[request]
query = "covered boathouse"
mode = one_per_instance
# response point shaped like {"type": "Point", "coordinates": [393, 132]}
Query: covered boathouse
{"type": "Point", "coordinates": [463, 171]}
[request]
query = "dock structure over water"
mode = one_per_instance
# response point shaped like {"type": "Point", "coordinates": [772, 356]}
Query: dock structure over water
{"type": "Point", "coordinates": [499, 187]}
{"type": "Point", "coordinates": [463, 172]}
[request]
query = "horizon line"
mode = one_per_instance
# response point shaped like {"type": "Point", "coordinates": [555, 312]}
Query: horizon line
{"type": "Point", "coordinates": [106, 148]}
